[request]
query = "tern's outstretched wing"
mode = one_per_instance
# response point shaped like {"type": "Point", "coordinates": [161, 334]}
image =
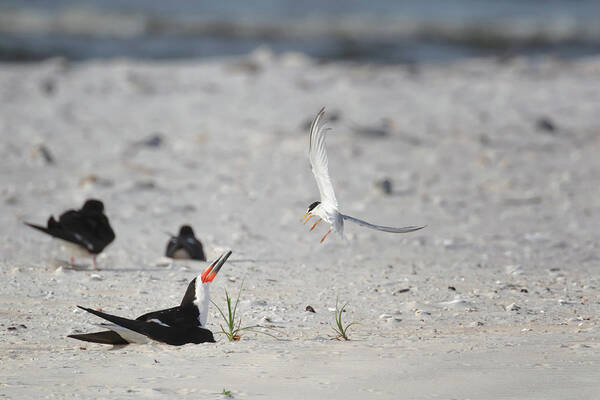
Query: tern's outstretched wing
{"type": "Point", "coordinates": [318, 160]}
{"type": "Point", "coordinates": [391, 229]}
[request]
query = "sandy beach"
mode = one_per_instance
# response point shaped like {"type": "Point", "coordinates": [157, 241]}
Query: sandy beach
{"type": "Point", "coordinates": [498, 298]}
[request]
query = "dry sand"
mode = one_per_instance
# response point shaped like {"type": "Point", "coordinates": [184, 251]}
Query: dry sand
{"type": "Point", "coordinates": [500, 160]}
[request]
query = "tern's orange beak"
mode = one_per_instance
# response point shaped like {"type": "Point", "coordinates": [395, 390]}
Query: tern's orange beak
{"type": "Point", "coordinates": [213, 269]}
{"type": "Point", "coordinates": [307, 216]}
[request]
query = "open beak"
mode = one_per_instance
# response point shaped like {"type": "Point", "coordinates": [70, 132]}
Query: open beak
{"type": "Point", "coordinates": [209, 273]}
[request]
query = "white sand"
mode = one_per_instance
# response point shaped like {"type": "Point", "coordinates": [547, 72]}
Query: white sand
{"type": "Point", "coordinates": [512, 212]}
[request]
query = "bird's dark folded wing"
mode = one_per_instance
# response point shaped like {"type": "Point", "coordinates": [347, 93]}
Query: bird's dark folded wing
{"type": "Point", "coordinates": [104, 337]}
{"type": "Point", "coordinates": [177, 336]}
{"type": "Point", "coordinates": [104, 231]}
{"type": "Point", "coordinates": [171, 247]}
{"type": "Point", "coordinates": [190, 244]}
{"type": "Point", "coordinates": [175, 316]}
{"type": "Point", "coordinates": [55, 229]}
{"type": "Point", "coordinates": [91, 231]}
{"type": "Point", "coordinates": [391, 229]}
{"type": "Point", "coordinates": [131, 324]}
{"type": "Point", "coordinates": [39, 228]}
{"type": "Point", "coordinates": [194, 247]}
{"type": "Point", "coordinates": [72, 228]}
{"type": "Point", "coordinates": [180, 325]}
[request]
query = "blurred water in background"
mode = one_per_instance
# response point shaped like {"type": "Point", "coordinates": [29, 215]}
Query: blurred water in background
{"type": "Point", "coordinates": [386, 31]}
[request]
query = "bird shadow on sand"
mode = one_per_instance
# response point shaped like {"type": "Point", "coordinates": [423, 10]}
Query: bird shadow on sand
{"type": "Point", "coordinates": [65, 264]}
{"type": "Point", "coordinates": [58, 263]}
{"type": "Point", "coordinates": [258, 260]}
{"type": "Point", "coordinates": [142, 269]}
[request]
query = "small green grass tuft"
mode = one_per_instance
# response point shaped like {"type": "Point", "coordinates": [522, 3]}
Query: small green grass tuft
{"type": "Point", "coordinates": [341, 330]}
{"type": "Point", "coordinates": [227, 393]}
{"type": "Point", "coordinates": [233, 330]}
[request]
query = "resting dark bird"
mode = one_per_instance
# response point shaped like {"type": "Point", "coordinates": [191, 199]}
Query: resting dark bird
{"type": "Point", "coordinates": [177, 326]}
{"type": "Point", "coordinates": [87, 229]}
{"type": "Point", "coordinates": [185, 245]}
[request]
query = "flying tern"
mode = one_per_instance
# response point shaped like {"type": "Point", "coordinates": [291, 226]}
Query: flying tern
{"type": "Point", "coordinates": [327, 209]}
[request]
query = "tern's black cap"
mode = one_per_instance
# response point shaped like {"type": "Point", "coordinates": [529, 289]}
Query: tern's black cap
{"type": "Point", "coordinates": [313, 205]}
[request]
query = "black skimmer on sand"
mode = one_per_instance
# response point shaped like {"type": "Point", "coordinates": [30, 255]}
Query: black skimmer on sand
{"type": "Point", "coordinates": [176, 326]}
{"type": "Point", "coordinates": [185, 245]}
{"type": "Point", "coordinates": [85, 231]}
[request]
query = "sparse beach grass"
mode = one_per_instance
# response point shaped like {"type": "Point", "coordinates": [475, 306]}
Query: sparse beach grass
{"type": "Point", "coordinates": [233, 326]}
{"type": "Point", "coordinates": [340, 329]}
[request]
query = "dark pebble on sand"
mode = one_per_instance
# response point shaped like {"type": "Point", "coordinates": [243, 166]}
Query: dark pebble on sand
{"type": "Point", "coordinates": [385, 185]}
{"type": "Point", "coordinates": [371, 131]}
{"type": "Point", "coordinates": [11, 200]}
{"type": "Point", "coordinates": [95, 180]}
{"type": "Point", "coordinates": [14, 328]}
{"type": "Point", "coordinates": [48, 86]}
{"type": "Point", "coordinates": [310, 309]}
{"type": "Point", "coordinates": [545, 124]}
{"type": "Point", "coordinates": [145, 185]}
{"type": "Point", "coordinates": [45, 153]}
{"type": "Point", "coordinates": [152, 141]}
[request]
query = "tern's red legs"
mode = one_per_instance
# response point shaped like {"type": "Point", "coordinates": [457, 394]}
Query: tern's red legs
{"type": "Point", "coordinates": [323, 238]}
{"type": "Point", "coordinates": [72, 260]}
{"type": "Point", "coordinates": [94, 260]}
{"type": "Point", "coordinates": [315, 224]}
